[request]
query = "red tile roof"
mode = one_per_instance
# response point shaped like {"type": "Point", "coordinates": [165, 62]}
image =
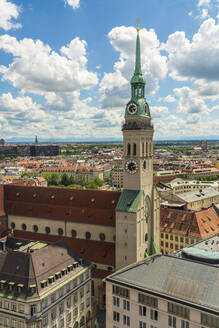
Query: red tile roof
{"type": "Point", "coordinates": [94, 251]}
{"type": "Point", "coordinates": [87, 206]}
{"type": "Point", "coordinates": [194, 224]}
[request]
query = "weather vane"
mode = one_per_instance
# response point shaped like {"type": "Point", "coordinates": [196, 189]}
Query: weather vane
{"type": "Point", "coordinates": [138, 23]}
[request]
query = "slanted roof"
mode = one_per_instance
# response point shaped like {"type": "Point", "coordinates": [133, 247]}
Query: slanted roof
{"type": "Point", "coordinates": [86, 206]}
{"type": "Point", "coordinates": [169, 276]}
{"type": "Point", "coordinates": [194, 196]}
{"type": "Point", "coordinates": [129, 201]}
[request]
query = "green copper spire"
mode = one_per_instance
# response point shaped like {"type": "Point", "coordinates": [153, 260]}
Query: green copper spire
{"type": "Point", "coordinates": [138, 106]}
{"type": "Point", "coordinates": [137, 77]}
{"type": "Point", "coordinates": [138, 57]}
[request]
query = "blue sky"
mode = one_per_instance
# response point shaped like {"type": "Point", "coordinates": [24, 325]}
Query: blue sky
{"type": "Point", "coordinates": [65, 67]}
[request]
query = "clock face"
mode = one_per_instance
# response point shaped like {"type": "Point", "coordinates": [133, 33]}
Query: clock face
{"type": "Point", "coordinates": [144, 164]}
{"type": "Point", "coordinates": [132, 108]}
{"type": "Point", "coordinates": [131, 167]}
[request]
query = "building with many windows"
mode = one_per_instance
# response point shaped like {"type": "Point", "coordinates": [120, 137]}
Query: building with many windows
{"type": "Point", "coordinates": [163, 291]}
{"type": "Point", "coordinates": [43, 285]}
{"type": "Point", "coordinates": [180, 228]}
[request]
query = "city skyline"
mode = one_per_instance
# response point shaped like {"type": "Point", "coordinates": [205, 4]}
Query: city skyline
{"type": "Point", "coordinates": [65, 69]}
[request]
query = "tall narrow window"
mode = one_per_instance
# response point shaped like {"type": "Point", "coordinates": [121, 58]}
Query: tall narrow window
{"type": "Point", "coordinates": [147, 148]}
{"type": "Point", "coordinates": [134, 149]}
{"type": "Point", "coordinates": [150, 149]}
{"type": "Point", "coordinates": [142, 148]}
{"type": "Point", "coordinates": [129, 149]}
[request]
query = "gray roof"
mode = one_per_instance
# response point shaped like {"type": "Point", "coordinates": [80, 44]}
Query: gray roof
{"type": "Point", "coordinates": [185, 280]}
{"type": "Point", "coordinates": [197, 195]}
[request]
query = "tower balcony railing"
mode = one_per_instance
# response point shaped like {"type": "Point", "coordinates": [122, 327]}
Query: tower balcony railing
{"type": "Point", "coordinates": [137, 125]}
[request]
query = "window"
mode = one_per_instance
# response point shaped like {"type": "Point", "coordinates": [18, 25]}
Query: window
{"type": "Point", "coordinates": [184, 324]}
{"type": "Point", "coordinates": [47, 229]}
{"type": "Point", "coordinates": [20, 324]}
{"type": "Point", "coordinates": [166, 244]}
{"type": "Point", "coordinates": [102, 236]}
{"type": "Point", "coordinates": [61, 308]}
{"type": "Point", "coordinates": [87, 235]}
{"type": "Point", "coordinates": [142, 324]}
{"type": "Point", "coordinates": [126, 320]}
{"type": "Point", "coordinates": [61, 292]}
{"type": "Point", "coordinates": [20, 308]}
{"type": "Point", "coordinates": [82, 292]}
{"type": "Point", "coordinates": [142, 148]}
{"type": "Point", "coordinates": [60, 231]}
{"type": "Point", "coordinates": [181, 239]}
{"type": "Point", "coordinates": [167, 236]}
{"type": "Point", "coordinates": [161, 235]}
{"type": "Point", "coordinates": [126, 305]}
{"type": "Point", "coordinates": [33, 309]}
{"type": "Point", "coordinates": [171, 237]}
{"type": "Point", "coordinates": [116, 301]}
{"type": "Point", "coordinates": [24, 227]}
{"type": "Point", "coordinates": [35, 228]}
{"type": "Point", "coordinates": [68, 302]}
{"type": "Point", "coordinates": [45, 321]}
{"type": "Point", "coordinates": [129, 149]}
{"type": "Point", "coordinates": [142, 310]}
{"type": "Point", "coordinates": [146, 237]}
{"type": "Point", "coordinates": [153, 314]}
{"type": "Point", "coordinates": [74, 233]}
{"type": "Point", "coordinates": [116, 316]}
{"type": "Point", "coordinates": [123, 292]}
{"type": "Point", "coordinates": [13, 225]}
{"type": "Point", "coordinates": [13, 323]}
{"type": "Point", "coordinates": [75, 298]}
{"type": "Point", "coordinates": [148, 300]}
{"type": "Point", "coordinates": [82, 307]}
{"type": "Point", "coordinates": [6, 305]}
{"type": "Point", "coordinates": [176, 238]}
{"type": "Point", "coordinates": [134, 149]}
{"type": "Point", "coordinates": [53, 315]}
{"type": "Point", "coordinates": [13, 307]}
{"type": "Point", "coordinates": [171, 321]}
{"type": "Point", "coordinates": [209, 320]}
{"type": "Point", "coordinates": [178, 310]}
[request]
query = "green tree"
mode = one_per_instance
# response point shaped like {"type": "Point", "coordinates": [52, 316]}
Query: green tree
{"type": "Point", "coordinates": [98, 182]}
{"type": "Point", "coordinates": [65, 180]}
{"type": "Point", "coordinates": [91, 185]}
{"type": "Point", "coordinates": [54, 179]}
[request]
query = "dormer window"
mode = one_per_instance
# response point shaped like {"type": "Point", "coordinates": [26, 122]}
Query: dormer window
{"type": "Point", "coordinates": [70, 268]}
{"type": "Point", "coordinates": [2, 284]}
{"type": "Point", "coordinates": [58, 275]}
{"type": "Point", "coordinates": [75, 265]}
{"type": "Point", "coordinates": [51, 279]}
{"type": "Point", "coordinates": [11, 286]}
{"type": "Point", "coordinates": [43, 283]}
{"type": "Point", "coordinates": [64, 271]}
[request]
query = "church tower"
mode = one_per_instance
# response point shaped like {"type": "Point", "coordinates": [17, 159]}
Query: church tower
{"type": "Point", "coordinates": [137, 212]}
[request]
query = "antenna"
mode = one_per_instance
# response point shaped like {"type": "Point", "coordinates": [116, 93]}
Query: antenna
{"type": "Point", "coordinates": [138, 21]}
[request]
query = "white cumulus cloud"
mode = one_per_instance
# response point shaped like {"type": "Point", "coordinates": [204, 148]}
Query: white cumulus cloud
{"type": "Point", "coordinates": [36, 68]}
{"type": "Point", "coordinates": [73, 3]}
{"type": "Point", "coordinates": [8, 12]}
{"type": "Point", "coordinates": [114, 87]}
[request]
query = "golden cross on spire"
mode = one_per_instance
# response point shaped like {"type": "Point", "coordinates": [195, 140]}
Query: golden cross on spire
{"type": "Point", "coordinates": [138, 23]}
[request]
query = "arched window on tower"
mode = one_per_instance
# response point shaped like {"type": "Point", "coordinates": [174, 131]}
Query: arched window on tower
{"type": "Point", "coordinates": [129, 149]}
{"type": "Point", "coordinates": [134, 149]}
{"type": "Point", "coordinates": [142, 148]}
{"type": "Point", "coordinates": [136, 92]}
{"type": "Point", "coordinates": [150, 149]}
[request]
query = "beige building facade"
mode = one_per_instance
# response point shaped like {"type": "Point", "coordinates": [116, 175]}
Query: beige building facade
{"type": "Point", "coordinates": [57, 295]}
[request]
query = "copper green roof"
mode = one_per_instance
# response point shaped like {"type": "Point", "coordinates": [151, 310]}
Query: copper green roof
{"type": "Point", "coordinates": [153, 248]}
{"type": "Point", "coordinates": [129, 201]}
